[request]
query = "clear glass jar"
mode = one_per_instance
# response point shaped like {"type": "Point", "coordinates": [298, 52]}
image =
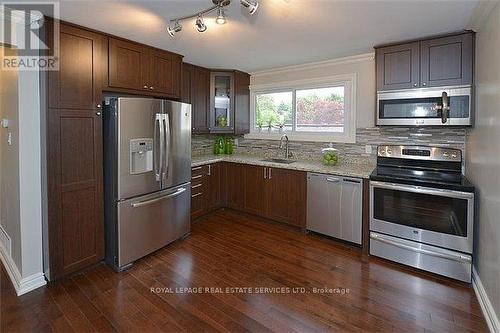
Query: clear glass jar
{"type": "Point", "coordinates": [330, 156]}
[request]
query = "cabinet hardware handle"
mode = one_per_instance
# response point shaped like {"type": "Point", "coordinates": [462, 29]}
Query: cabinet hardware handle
{"type": "Point", "coordinates": [270, 175]}
{"type": "Point", "coordinates": [197, 177]}
{"type": "Point", "coordinates": [98, 106]}
{"type": "Point", "coordinates": [196, 186]}
{"type": "Point", "coordinates": [196, 168]}
{"type": "Point", "coordinates": [415, 84]}
{"type": "Point", "coordinates": [424, 84]}
{"type": "Point", "coordinates": [152, 88]}
{"type": "Point", "coordinates": [196, 195]}
{"type": "Point", "coordinates": [145, 87]}
{"type": "Point", "coordinates": [98, 113]}
{"type": "Point", "coordinates": [265, 173]}
{"type": "Point", "coordinates": [209, 170]}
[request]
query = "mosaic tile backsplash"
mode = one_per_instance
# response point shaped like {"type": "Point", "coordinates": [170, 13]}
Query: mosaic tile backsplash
{"type": "Point", "coordinates": [433, 136]}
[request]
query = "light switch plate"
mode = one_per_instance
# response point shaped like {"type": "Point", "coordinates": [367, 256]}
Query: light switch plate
{"type": "Point", "coordinates": [5, 123]}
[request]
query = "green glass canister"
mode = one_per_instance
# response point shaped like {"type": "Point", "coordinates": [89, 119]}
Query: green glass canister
{"type": "Point", "coordinates": [219, 145]}
{"type": "Point", "coordinates": [228, 146]}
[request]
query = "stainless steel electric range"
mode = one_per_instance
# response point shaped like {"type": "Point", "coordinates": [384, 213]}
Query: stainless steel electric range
{"type": "Point", "coordinates": [422, 209]}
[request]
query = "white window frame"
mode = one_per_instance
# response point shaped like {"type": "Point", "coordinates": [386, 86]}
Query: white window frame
{"type": "Point", "coordinates": [346, 80]}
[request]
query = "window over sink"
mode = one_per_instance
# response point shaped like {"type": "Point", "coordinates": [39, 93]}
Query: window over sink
{"type": "Point", "coordinates": [307, 110]}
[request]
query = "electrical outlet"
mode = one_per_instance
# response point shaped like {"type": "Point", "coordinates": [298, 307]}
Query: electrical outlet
{"type": "Point", "coordinates": [368, 149]}
{"type": "Point", "coordinates": [236, 142]}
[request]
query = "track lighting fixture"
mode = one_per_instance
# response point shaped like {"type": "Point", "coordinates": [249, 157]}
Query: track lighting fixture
{"type": "Point", "coordinates": [218, 5]}
{"type": "Point", "coordinates": [251, 5]}
{"type": "Point", "coordinates": [175, 29]}
{"type": "Point", "coordinates": [221, 16]}
{"type": "Point", "coordinates": [200, 25]}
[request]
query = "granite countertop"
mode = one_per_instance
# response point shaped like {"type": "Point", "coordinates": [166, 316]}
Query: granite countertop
{"type": "Point", "coordinates": [358, 168]}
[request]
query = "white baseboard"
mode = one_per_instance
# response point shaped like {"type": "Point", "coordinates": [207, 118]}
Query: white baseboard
{"type": "Point", "coordinates": [21, 285]}
{"type": "Point", "coordinates": [484, 301]}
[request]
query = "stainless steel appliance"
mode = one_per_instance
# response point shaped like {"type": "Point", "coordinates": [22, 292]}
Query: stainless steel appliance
{"type": "Point", "coordinates": [147, 171]}
{"type": "Point", "coordinates": [443, 106]}
{"type": "Point", "coordinates": [422, 209]}
{"type": "Point", "coordinates": [334, 206]}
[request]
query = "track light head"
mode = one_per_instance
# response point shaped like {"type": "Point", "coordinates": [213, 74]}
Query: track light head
{"type": "Point", "coordinates": [221, 16]}
{"type": "Point", "coordinates": [200, 25]}
{"type": "Point", "coordinates": [251, 5]}
{"type": "Point", "coordinates": [175, 29]}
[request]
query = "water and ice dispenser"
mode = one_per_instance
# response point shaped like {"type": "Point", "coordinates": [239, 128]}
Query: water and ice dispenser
{"type": "Point", "coordinates": [141, 155]}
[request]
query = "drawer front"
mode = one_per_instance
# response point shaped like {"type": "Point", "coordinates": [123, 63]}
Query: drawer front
{"type": "Point", "coordinates": [199, 172]}
{"type": "Point", "coordinates": [426, 257]}
{"type": "Point", "coordinates": [197, 188]}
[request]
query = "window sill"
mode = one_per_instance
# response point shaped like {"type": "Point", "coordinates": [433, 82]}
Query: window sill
{"type": "Point", "coordinates": [302, 137]}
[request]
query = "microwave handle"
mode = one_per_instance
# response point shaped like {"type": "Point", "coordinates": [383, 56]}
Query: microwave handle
{"type": "Point", "coordinates": [445, 108]}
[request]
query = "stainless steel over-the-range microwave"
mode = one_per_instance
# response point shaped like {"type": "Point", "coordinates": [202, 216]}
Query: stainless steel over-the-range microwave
{"type": "Point", "coordinates": [441, 106]}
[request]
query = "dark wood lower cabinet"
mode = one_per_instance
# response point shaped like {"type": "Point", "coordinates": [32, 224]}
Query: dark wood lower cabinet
{"type": "Point", "coordinates": [254, 188]}
{"type": "Point", "coordinates": [273, 193]}
{"type": "Point", "coordinates": [233, 187]}
{"type": "Point", "coordinates": [286, 196]}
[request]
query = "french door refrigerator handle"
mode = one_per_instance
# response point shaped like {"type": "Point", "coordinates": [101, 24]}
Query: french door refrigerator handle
{"type": "Point", "coordinates": [158, 135]}
{"type": "Point", "coordinates": [151, 201]}
{"type": "Point", "coordinates": [456, 257]}
{"type": "Point", "coordinates": [166, 157]}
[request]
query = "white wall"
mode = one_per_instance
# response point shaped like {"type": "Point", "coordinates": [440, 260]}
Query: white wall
{"type": "Point", "coordinates": [9, 162]}
{"type": "Point", "coordinates": [362, 65]}
{"type": "Point", "coordinates": [483, 158]}
{"type": "Point", "coordinates": [25, 265]}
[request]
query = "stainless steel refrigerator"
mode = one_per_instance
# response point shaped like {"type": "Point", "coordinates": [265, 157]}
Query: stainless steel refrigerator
{"type": "Point", "coordinates": [147, 170]}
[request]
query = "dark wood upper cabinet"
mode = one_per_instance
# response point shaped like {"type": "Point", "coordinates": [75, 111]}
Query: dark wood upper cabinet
{"type": "Point", "coordinates": [447, 61]}
{"type": "Point", "coordinates": [241, 103]}
{"type": "Point", "coordinates": [200, 99]}
{"type": "Point", "coordinates": [74, 153]}
{"type": "Point", "coordinates": [128, 65]}
{"type": "Point", "coordinates": [434, 62]}
{"type": "Point", "coordinates": [187, 83]}
{"type": "Point", "coordinates": [195, 90]}
{"type": "Point", "coordinates": [398, 66]}
{"type": "Point", "coordinates": [164, 72]}
{"type": "Point", "coordinates": [136, 67]}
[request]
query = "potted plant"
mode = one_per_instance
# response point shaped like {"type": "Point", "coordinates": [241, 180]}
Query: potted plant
{"type": "Point", "coordinates": [260, 124]}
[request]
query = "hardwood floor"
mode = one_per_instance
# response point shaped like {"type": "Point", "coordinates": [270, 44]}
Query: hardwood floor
{"type": "Point", "coordinates": [229, 249]}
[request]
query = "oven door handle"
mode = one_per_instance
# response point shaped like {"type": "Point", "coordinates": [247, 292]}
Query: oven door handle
{"type": "Point", "coordinates": [423, 190]}
{"type": "Point", "coordinates": [457, 257]}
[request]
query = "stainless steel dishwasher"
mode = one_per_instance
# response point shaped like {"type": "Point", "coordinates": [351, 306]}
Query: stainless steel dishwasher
{"type": "Point", "coordinates": [334, 206]}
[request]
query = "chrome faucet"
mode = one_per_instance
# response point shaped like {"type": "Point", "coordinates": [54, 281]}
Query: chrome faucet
{"type": "Point", "coordinates": [288, 153]}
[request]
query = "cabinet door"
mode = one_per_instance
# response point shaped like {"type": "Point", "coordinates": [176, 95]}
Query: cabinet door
{"type": "Point", "coordinates": [351, 210]}
{"type": "Point", "coordinates": [254, 189]}
{"type": "Point", "coordinates": [398, 67]}
{"type": "Point", "coordinates": [286, 196]}
{"type": "Point", "coordinates": [241, 103]}
{"type": "Point", "coordinates": [200, 99]}
{"type": "Point", "coordinates": [233, 185]}
{"type": "Point", "coordinates": [74, 155]}
{"type": "Point", "coordinates": [78, 83]}
{"type": "Point", "coordinates": [128, 65]}
{"type": "Point", "coordinates": [187, 81]}
{"type": "Point", "coordinates": [221, 102]}
{"type": "Point", "coordinates": [214, 186]}
{"type": "Point", "coordinates": [447, 61]}
{"type": "Point", "coordinates": [164, 73]}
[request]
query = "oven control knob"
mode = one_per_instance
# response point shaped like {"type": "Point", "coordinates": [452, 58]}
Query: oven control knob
{"type": "Point", "coordinates": [454, 155]}
{"type": "Point", "coordinates": [446, 155]}
{"type": "Point", "coordinates": [389, 152]}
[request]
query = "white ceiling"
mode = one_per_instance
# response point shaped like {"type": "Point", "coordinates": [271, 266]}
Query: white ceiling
{"type": "Point", "coordinates": [281, 33]}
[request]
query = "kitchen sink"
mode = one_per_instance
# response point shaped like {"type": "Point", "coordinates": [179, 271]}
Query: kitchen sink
{"type": "Point", "coordinates": [278, 160]}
